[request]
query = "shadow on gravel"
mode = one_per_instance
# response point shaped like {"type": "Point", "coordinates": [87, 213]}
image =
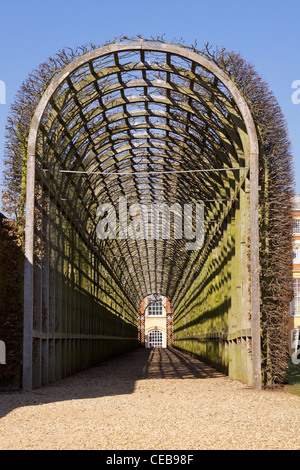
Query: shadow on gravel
{"type": "Point", "coordinates": [174, 364]}
{"type": "Point", "coordinates": [117, 376]}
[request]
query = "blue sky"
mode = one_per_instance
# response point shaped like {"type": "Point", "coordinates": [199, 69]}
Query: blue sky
{"type": "Point", "coordinates": [265, 32]}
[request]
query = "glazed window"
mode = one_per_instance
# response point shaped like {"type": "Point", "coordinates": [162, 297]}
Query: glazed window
{"type": "Point", "coordinates": [296, 255]}
{"type": "Point", "coordinates": [155, 339]}
{"type": "Point", "coordinates": [296, 300]}
{"type": "Point", "coordinates": [155, 308]}
{"type": "Point", "coordinates": [296, 226]}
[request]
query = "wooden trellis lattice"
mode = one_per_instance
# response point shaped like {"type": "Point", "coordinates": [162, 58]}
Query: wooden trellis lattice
{"type": "Point", "coordinates": [156, 123]}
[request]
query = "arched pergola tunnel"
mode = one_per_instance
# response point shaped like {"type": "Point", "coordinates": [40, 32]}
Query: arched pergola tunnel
{"type": "Point", "coordinates": [154, 123]}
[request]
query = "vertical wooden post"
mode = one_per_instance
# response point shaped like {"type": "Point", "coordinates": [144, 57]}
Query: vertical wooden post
{"type": "Point", "coordinates": [45, 209]}
{"type": "Point", "coordinates": [28, 273]}
{"type": "Point", "coordinates": [255, 285]}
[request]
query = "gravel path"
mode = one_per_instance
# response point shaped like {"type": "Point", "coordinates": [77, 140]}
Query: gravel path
{"type": "Point", "coordinates": [149, 399]}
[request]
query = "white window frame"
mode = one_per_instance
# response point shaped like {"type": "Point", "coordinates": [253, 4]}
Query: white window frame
{"type": "Point", "coordinates": [296, 202]}
{"type": "Point", "coordinates": [157, 343]}
{"type": "Point", "coordinates": [295, 335]}
{"type": "Point", "coordinates": [296, 226]}
{"type": "Point", "coordinates": [295, 311]}
{"type": "Point", "coordinates": [155, 308]}
{"type": "Point", "coordinates": [295, 338]}
{"type": "Point", "coordinates": [296, 254]}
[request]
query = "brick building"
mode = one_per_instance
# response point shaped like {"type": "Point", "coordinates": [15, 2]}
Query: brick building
{"type": "Point", "coordinates": [294, 321]}
{"type": "Point", "coordinates": [155, 322]}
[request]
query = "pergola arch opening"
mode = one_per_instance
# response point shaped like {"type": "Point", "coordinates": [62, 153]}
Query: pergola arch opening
{"type": "Point", "coordinates": [155, 123]}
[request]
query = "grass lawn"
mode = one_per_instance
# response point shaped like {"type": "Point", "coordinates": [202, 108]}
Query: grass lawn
{"type": "Point", "coordinates": [292, 379]}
